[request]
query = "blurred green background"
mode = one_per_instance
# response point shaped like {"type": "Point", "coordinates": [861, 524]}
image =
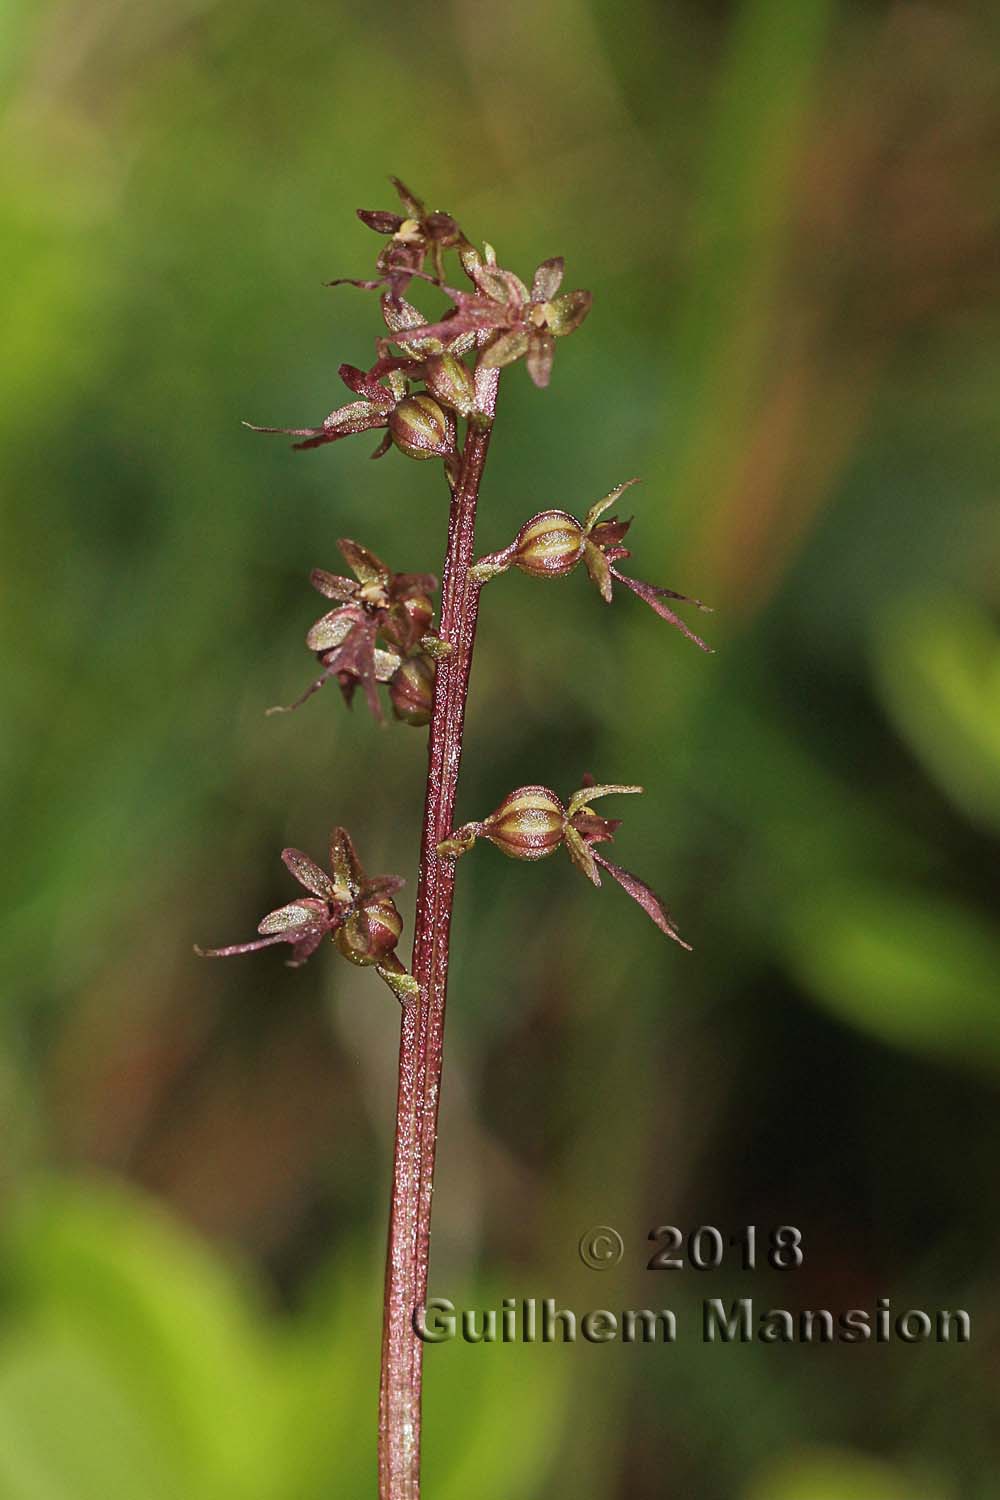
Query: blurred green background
{"type": "Point", "coordinates": [787, 212]}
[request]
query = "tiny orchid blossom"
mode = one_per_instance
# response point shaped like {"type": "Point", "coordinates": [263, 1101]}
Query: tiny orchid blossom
{"type": "Point", "coordinates": [552, 543]}
{"type": "Point", "coordinates": [357, 912]}
{"type": "Point", "coordinates": [524, 323]}
{"type": "Point", "coordinates": [418, 425]}
{"type": "Point", "coordinates": [416, 237]}
{"type": "Point", "coordinates": [532, 823]}
{"type": "Point", "coordinates": [376, 604]}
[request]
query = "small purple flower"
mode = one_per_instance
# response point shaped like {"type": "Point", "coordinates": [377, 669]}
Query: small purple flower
{"type": "Point", "coordinates": [428, 432]}
{"type": "Point", "coordinates": [416, 237]}
{"type": "Point", "coordinates": [357, 912]}
{"type": "Point", "coordinates": [525, 324]}
{"type": "Point", "coordinates": [375, 604]}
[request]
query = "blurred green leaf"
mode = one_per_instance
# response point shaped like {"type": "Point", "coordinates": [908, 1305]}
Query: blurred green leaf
{"type": "Point", "coordinates": [837, 1475]}
{"type": "Point", "coordinates": [938, 663]}
{"type": "Point", "coordinates": [915, 969]}
{"type": "Point", "coordinates": [70, 1428]}
{"type": "Point", "coordinates": [107, 1268]}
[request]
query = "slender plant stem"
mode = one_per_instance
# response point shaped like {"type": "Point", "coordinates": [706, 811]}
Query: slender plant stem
{"type": "Point", "coordinates": [422, 1033]}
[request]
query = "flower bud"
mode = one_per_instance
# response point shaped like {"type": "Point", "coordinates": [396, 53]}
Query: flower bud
{"type": "Point", "coordinates": [411, 690]}
{"type": "Point", "coordinates": [370, 934]}
{"type": "Point", "coordinates": [447, 378]}
{"type": "Point", "coordinates": [549, 545]}
{"type": "Point", "coordinates": [407, 621]}
{"type": "Point", "coordinates": [528, 824]}
{"type": "Point", "coordinates": [420, 428]}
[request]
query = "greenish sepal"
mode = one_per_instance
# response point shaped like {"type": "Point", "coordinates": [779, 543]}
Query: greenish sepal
{"type": "Point", "coordinates": [599, 569]}
{"type": "Point", "coordinates": [596, 511]}
{"type": "Point", "coordinates": [588, 794]}
{"type": "Point", "coordinates": [579, 852]}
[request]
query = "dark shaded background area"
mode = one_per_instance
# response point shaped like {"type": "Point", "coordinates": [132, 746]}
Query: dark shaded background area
{"type": "Point", "coordinates": [787, 212]}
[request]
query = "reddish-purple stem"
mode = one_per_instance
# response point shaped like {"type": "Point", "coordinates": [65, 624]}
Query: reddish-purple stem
{"type": "Point", "coordinates": [422, 1033]}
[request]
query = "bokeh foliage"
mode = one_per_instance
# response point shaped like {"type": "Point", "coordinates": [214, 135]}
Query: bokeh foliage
{"type": "Point", "coordinates": [785, 211]}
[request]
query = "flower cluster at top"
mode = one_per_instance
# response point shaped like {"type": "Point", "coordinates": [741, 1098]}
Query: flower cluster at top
{"type": "Point", "coordinates": [500, 317]}
{"type": "Point", "coordinates": [421, 386]}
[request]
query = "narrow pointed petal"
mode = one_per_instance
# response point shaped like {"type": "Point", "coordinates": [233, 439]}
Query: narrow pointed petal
{"type": "Point", "coordinates": [599, 569]}
{"type": "Point", "coordinates": [663, 593]}
{"type": "Point", "coordinates": [314, 687]}
{"type": "Point", "coordinates": [597, 510]}
{"type": "Point", "coordinates": [308, 873]}
{"type": "Point", "coordinates": [541, 348]}
{"type": "Point", "coordinates": [288, 431]}
{"type": "Point", "coordinates": [326, 435]}
{"type": "Point", "coordinates": [379, 220]}
{"type": "Point", "coordinates": [368, 567]}
{"type": "Point", "coordinates": [501, 286]}
{"type": "Point", "coordinates": [548, 279]}
{"type": "Point", "coordinates": [364, 383]}
{"type": "Point", "coordinates": [647, 898]}
{"type": "Point", "coordinates": [651, 596]}
{"type": "Point", "coordinates": [414, 207]}
{"type": "Point", "coordinates": [588, 794]}
{"type": "Point", "coordinates": [505, 349]}
{"type": "Point", "coordinates": [235, 948]}
{"type": "Point", "coordinates": [296, 914]}
{"type": "Point", "coordinates": [357, 416]}
{"type": "Point", "coordinates": [401, 317]}
{"type": "Point", "coordinates": [348, 875]}
{"type": "Point", "coordinates": [373, 285]}
{"type": "Point", "coordinates": [330, 631]}
{"type": "Point", "coordinates": [567, 312]}
{"type": "Point", "coordinates": [333, 585]}
{"type": "Point", "coordinates": [581, 854]}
